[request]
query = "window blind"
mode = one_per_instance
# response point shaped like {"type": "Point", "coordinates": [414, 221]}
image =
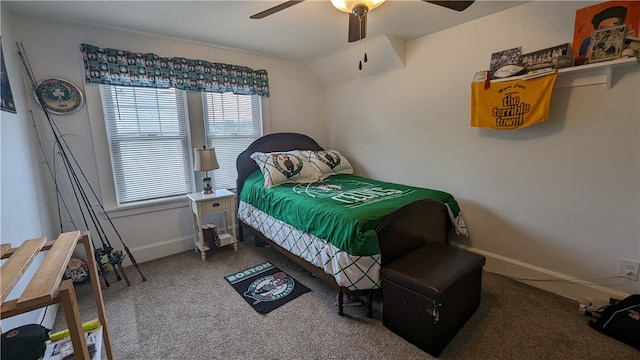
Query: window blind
{"type": "Point", "coordinates": [232, 122]}
{"type": "Point", "coordinates": [148, 138]}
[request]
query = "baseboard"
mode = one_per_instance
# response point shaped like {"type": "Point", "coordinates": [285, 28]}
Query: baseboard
{"type": "Point", "coordinates": [49, 318]}
{"type": "Point", "coordinates": [578, 290]}
{"type": "Point", "coordinates": [159, 250]}
{"type": "Point", "coordinates": [567, 286]}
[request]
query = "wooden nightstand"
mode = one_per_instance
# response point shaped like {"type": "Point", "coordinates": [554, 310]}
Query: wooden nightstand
{"type": "Point", "coordinates": [220, 201]}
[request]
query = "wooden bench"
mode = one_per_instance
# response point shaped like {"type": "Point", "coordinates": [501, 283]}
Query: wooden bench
{"type": "Point", "coordinates": [46, 286]}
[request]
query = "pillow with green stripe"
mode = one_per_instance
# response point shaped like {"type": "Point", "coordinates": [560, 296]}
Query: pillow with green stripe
{"type": "Point", "coordinates": [285, 167]}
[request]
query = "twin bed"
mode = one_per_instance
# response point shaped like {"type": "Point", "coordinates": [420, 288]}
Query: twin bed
{"type": "Point", "coordinates": [304, 202]}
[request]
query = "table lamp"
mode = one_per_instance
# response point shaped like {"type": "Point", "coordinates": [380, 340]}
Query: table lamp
{"type": "Point", "coordinates": [205, 160]}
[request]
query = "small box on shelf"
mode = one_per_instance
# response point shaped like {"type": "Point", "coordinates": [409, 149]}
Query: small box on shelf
{"type": "Point", "coordinates": [63, 349]}
{"type": "Point", "coordinates": [214, 239]}
{"type": "Point", "coordinates": [226, 239]}
{"type": "Point", "coordinates": [210, 234]}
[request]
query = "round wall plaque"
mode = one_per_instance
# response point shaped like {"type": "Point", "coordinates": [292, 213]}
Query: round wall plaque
{"type": "Point", "coordinates": [59, 96]}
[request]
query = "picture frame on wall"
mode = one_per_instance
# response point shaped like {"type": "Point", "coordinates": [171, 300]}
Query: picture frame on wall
{"type": "Point", "coordinates": [6, 99]}
{"type": "Point", "coordinates": [602, 16]}
{"type": "Point", "coordinates": [558, 56]}
{"type": "Point", "coordinates": [505, 63]}
{"type": "Point", "coordinates": [607, 44]}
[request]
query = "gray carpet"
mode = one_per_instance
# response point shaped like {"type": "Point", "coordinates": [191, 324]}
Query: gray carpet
{"type": "Point", "coordinates": [186, 310]}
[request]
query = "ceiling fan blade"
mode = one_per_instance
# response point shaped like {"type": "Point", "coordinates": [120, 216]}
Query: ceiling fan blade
{"type": "Point", "coordinates": [357, 27]}
{"type": "Point", "coordinates": [453, 5]}
{"type": "Point", "coordinates": [275, 9]}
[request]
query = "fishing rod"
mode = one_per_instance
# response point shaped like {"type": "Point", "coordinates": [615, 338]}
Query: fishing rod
{"type": "Point", "coordinates": [60, 140]}
{"type": "Point", "coordinates": [104, 211]}
{"type": "Point", "coordinates": [113, 257]}
{"type": "Point", "coordinates": [33, 85]}
{"type": "Point", "coordinates": [106, 248]}
{"type": "Point", "coordinates": [52, 173]}
{"type": "Point", "coordinates": [96, 251]}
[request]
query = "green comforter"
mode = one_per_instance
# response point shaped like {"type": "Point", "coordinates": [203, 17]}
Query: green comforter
{"type": "Point", "coordinates": [343, 209]}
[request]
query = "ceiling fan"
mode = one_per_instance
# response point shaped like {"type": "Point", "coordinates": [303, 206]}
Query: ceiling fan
{"type": "Point", "coordinates": [357, 10]}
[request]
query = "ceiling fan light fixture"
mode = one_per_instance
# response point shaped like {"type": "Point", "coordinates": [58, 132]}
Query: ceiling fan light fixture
{"type": "Point", "coordinates": [349, 5]}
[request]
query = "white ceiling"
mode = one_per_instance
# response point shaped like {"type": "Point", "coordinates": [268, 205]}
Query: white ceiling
{"type": "Point", "coordinates": [302, 33]}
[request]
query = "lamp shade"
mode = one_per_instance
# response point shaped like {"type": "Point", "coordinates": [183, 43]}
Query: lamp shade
{"type": "Point", "coordinates": [205, 159]}
{"type": "Point", "coordinates": [348, 5]}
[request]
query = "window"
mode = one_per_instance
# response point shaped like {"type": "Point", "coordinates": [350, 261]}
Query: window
{"type": "Point", "coordinates": [231, 123]}
{"type": "Point", "coordinates": [148, 137]}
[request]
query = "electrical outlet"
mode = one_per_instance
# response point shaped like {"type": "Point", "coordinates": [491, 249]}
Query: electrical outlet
{"type": "Point", "coordinates": [628, 269]}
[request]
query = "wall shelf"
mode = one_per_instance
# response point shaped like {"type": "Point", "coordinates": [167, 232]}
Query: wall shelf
{"type": "Point", "coordinates": [583, 75]}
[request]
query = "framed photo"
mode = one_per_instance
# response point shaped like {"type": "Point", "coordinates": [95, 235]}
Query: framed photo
{"type": "Point", "coordinates": [633, 44]}
{"type": "Point", "coordinates": [59, 96]}
{"type": "Point", "coordinates": [607, 43]}
{"type": "Point", "coordinates": [558, 56]}
{"type": "Point", "coordinates": [6, 95]}
{"type": "Point", "coordinates": [601, 16]}
{"type": "Point", "coordinates": [507, 60]}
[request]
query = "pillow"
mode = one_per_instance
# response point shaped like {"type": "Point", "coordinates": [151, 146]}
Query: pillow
{"type": "Point", "coordinates": [328, 162]}
{"type": "Point", "coordinates": [285, 167]}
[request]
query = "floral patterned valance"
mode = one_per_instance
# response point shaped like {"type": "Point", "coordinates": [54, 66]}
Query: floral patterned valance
{"type": "Point", "coordinates": [125, 68]}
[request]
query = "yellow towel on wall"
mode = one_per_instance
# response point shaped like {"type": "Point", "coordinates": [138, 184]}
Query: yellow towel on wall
{"type": "Point", "coordinates": [511, 104]}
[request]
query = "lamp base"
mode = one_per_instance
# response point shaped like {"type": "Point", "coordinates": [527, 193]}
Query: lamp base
{"type": "Point", "coordinates": [206, 185]}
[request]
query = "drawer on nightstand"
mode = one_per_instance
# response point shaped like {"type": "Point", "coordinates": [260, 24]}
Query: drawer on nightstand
{"type": "Point", "coordinates": [215, 205]}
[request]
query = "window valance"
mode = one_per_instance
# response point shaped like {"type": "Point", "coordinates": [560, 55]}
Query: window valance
{"type": "Point", "coordinates": [125, 68]}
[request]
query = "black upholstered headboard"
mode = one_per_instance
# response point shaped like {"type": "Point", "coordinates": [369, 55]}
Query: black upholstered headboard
{"type": "Point", "coordinates": [271, 143]}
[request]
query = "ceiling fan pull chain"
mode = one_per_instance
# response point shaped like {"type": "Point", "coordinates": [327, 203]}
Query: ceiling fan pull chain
{"type": "Point", "coordinates": [360, 64]}
{"type": "Point", "coordinates": [365, 58]}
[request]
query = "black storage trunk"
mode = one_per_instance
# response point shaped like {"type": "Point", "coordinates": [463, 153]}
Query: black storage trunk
{"type": "Point", "coordinates": [429, 294]}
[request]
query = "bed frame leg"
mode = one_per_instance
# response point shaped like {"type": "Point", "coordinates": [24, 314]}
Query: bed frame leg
{"type": "Point", "coordinates": [340, 302]}
{"type": "Point", "coordinates": [370, 304]}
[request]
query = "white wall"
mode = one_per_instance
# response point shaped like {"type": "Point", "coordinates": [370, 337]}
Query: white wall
{"type": "Point", "coordinates": [556, 200]}
{"type": "Point", "coordinates": [24, 214]}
